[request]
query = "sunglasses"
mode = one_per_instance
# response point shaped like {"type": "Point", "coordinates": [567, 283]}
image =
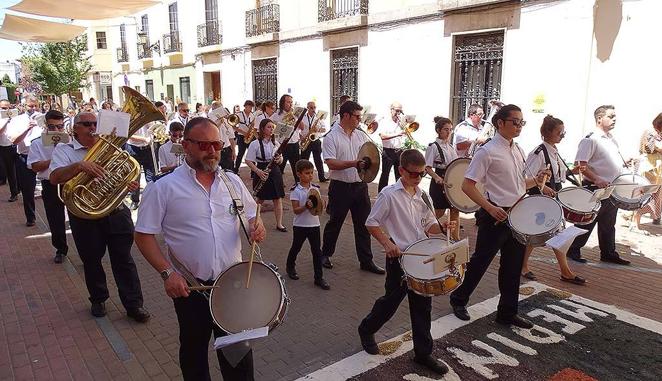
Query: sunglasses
{"type": "Point", "coordinates": [54, 126]}
{"type": "Point", "coordinates": [517, 122]}
{"type": "Point", "coordinates": [414, 174]}
{"type": "Point", "coordinates": [204, 145]}
{"type": "Point", "coordinates": [88, 124]}
{"type": "Point", "coordinates": [183, 110]}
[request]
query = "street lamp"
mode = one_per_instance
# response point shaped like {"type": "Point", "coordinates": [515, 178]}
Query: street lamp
{"type": "Point", "coordinates": [143, 38]}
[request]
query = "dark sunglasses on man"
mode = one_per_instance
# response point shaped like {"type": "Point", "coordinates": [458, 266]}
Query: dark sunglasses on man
{"type": "Point", "coordinates": [88, 124]}
{"type": "Point", "coordinates": [414, 174]}
{"type": "Point", "coordinates": [204, 145]}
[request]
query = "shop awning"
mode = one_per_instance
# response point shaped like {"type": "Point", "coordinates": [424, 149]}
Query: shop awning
{"type": "Point", "coordinates": [19, 28]}
{"type": "Point", "coordinates": [83, 9]}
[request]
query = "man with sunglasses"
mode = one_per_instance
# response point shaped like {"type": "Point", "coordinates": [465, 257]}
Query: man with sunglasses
{"type": "Point", "coordinates": [499, 166]}
{"type": "Point", "coordinates": [346, 190]}
{"type": "Point", "coordinates": [194, 209]}
{"type": "Point", "coordinates": [168, 160]}
{"type": "Point", "coordinates": [39, 159]}
{"type": "Point", "coordinates": [93, 237]}
{"type": "Point", "coordinates": [182, 114]}
{"type": "Point", "coordinates": [393, 139]}
{"type": "Point", "coordinates": [8, 154]}
{"type": "Point", "coordinates": [469, 130]}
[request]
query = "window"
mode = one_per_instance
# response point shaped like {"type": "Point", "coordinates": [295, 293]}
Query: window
{"type": "Point", "coordinates": [265, 80]}
{"type": "Point", "coordinates": [123, 35]}
{"type": "Point", "coordinates": [185, 89]}
{"type": "Point", "coordinates": [101, 40]}
{"type": "Point", "coordinates": [344, 75]}
{"type": "Point", "coordinates": [211, 10]}
{"type": "Point", "coordinates": [172, 17]}
{"type": "Point", "coordinates": [477, 79]}
{"type": "Point", "coordinates": [149, 89]}
{"type": "Point", "coordinates": [144, 24]}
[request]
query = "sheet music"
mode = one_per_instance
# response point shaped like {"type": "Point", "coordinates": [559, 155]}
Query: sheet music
{"type": "Point", "coordinates": [250, 334]}
{"type": "Point", "coordinates": [110, 121]}
{"type": "Point", "coordinates": [11, 113]}
{"type": "Point", "coordinates": [177, 149]}
{"type": "Point", "coordinates": [601, 194]}
{"type": "Point", "coordinates": [54, 137]}
{"type": "Point", "coordinates": [564, 239]}
{"type": "Point", "coordinates": [457, 253]}
{"type": "Point", "coordinates": [217, 113]}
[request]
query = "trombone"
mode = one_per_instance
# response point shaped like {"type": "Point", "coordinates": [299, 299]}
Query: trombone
{"type": "Point", "coordinates": [408, 125]}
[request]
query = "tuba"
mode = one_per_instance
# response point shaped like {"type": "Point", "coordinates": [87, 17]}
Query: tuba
{"type": "Point", "coordinates": [92, 198]}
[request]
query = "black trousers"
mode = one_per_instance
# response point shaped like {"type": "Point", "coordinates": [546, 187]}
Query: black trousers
{"type": "Point", "coordinates": [490, 239]}
{"type": "Point", "coordinates": [390, 158]}
{"type": "Point", "coordinates": [27, 180]}
{"type": "Point", "coordinates": [55, 216]}
{"type": "Point", "coordinates": [226, 159]}
{"type": "Point", "coordinates": [345, 197]}
{"type": "Point", "coordinates": [195, 328]}
{"type": "Point", "coordinates": [300, 235]}
{"type": "Point", "coordinates": [8, 156]}
{"type": "Point", "coordinates": [316, 149]}
{"type": "Point", "coordinates": [420, 309]}
{"type": "Point", "coordinates": [241, 150]}
{"type": "Point", "coordinates": [606, 221]}
{"type": "Point", "coordinates": [291, 154]}
{"type": "Point", "coordinates": [115, 233]}
{"type": "Point", "coordinates": [144, 157]}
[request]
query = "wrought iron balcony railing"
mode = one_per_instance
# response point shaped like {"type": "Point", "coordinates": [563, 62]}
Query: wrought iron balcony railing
{"type": "Point", "coordinates": [122, 55]}
{"type": "Point", "coordinates": [171, 42]}
{"type": "Point", "coordinates": [335, 9]}
{"type": "Point", "coordinates": [209, 34]}
{"type": "Point", "coordinates": [144, 51]}
{"type": "Point", "coordinates": [263, 20]}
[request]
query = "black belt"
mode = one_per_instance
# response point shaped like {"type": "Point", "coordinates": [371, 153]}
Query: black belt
{"type": "Point", "coordinates": [356, 183]}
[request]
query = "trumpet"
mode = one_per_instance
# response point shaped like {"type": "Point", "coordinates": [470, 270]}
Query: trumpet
{"type": "Point", "coordinates": [312, 134]}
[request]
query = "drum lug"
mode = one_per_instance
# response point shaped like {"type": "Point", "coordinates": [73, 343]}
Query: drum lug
{"type": "Point", "coordinates": [272, 266]}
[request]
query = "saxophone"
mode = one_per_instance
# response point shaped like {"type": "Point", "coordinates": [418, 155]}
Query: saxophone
{"type": "Point", "coordinates": [91, 198]}
{"type": "Point", "coordinates": [312, 134]}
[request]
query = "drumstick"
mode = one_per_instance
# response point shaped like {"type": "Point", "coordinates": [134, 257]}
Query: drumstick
{"type": "Point", "coordinates": [201, 288]}
{"type": "Point", "coordinates": [516, 202]}
{"type": "Point", "coordinates": [416, 254]}
{"type": "Point", "coordinates": [250, 262]}
{"type": "Point", "coordinates": [448, 228]}
{"type": "Point", "coordinates": [544, 180]}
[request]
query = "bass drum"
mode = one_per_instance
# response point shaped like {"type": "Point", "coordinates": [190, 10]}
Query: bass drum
{"type": "Point", "coordinates": [236, 308]}
{"type": "Point", "coordinates": [453, 186]}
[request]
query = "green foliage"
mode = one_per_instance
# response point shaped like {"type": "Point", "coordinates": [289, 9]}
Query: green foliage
{"type": "Point", "coordinates": [60, 67]}
{"type": "Point", "coordinates": [6, 80]}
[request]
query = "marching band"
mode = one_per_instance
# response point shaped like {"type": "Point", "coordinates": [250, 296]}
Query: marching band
{"type": "Point", "coordinates": [198, 201]}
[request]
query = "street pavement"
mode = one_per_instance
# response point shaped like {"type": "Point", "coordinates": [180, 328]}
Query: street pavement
{"type": "Point", "coordinates": [47, 332]}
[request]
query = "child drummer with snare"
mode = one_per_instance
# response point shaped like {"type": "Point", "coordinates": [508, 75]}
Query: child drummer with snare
{"type": "Point", "coordinates": [401, 209]}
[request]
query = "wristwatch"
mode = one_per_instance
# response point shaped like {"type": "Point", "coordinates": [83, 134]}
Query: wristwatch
{"type": "Point", "coordinates": [165, 274]}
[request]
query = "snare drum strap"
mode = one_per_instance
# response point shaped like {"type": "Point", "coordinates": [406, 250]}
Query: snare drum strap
{"type": "Point", "coordinates": [238, 204]}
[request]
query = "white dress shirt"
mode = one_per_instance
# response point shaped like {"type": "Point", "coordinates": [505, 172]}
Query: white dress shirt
{"type": "Point", "coordinates": [244, 122]}
{"type": "Point", "coordinates": [434, 159]}
{"type": "Point", "coordinates": [341, 146]}
{"type": "Point", "coordinates": [199, 227]}
{"type": "Point", "coordinates": [17, 126]}
{"type": "Point", "coordinates": [465, 132]}
{"type": "Point", "coordinates": [178, 118]}
{"type": "Point", "coordinates": [67, 154]}
{"type": "Point", "coordinates": [388, 127]}
{"type": "Point", "coordinates": [307, 121]}
{"type": "Point", "coordinates": [144, 133]}
{"type": "Point", "coordinates": [4, 138]}
{"type": "Point", "coordinates": [166, 158]}
{"type": "Point", "coordinates": [39, 152]}
{"type": "Point", "coordinates": [405, 218]}
{"type": "Point", "coordinates": [259, 117]}
{"type": "Point", "coordinates": [305, 218]}
{"type": "Point", "coordinates": [600, 151]}
{"type": "Point", "coordinates": [499, 166]}
{"type": "Point", "coordinates": [535, 162]}
{"type": "Point", "coordinates": [253, 151]}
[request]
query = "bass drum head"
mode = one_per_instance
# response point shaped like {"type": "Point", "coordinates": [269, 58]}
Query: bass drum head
{"type": "Point", "coordinates": [413, 265]}
{"type": "Point", "coordinates": [453, 186]}
{"type": "Point", "coordinates": [577, 199]}
{"type": "Point", "coordinates": [535, 215]}
{"type": "Point", "coordinates": [624, 192]}
{"type": "Point", "coordinates": [236, 308]}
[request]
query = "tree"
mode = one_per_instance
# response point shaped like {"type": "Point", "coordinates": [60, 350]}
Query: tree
{"type": "Point", "coordinates": [59, 67]}
{"type": "Point", "coordinates": [6, 80]}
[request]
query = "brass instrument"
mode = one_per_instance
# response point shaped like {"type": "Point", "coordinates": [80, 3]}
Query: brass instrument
{"type": "Point", "coordinates": [408, 125]}
{"type": "Point", "coordinates": [312, 134]}
{"type": "Point", "coordinates": [252, 132]}
{"type": "Point", "coordinates": [92, 198]}
{"type": "Point", "coordinates": [159, 133]}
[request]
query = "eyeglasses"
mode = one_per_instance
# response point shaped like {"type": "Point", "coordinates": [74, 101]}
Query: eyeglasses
{"type": "Point", "coordinates": [88, 124]}
{"type": "Point", "coordinates": [517, 122]}
{"type": "Point", "coordinates": [414, 174]}
{"type": "Point", "coordinates": [204, 145]}
{"type": "Point", "coordinates": [54, 126]}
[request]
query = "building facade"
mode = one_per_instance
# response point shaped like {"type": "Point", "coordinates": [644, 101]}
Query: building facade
{"type": "Point", "coordinates": [436, 57]}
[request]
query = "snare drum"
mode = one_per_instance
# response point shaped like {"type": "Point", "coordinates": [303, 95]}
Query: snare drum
{"type": "Point", "coordinates": [576, 205]}
{"type": "Point", "coordinates": [420, 276]}
{"type": "Point", "coordinates": [622, 195]}
{"type": "Point", "coordinates": [535, 219]}
{"type": "Point", "coordinates": [236, 308]}
{"type": "Point", "coordinates": [453, 186]}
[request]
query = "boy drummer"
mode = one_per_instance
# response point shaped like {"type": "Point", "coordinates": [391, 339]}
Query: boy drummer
{"type": "Point", "coordinates": [402, 201]}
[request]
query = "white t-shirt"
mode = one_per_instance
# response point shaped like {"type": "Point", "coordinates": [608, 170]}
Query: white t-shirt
{"type": "Point", "coordinates": [304, 219]}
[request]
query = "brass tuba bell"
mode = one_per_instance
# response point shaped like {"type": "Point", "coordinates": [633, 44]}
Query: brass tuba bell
{"type": "Point", "coordinates": [91, 198]}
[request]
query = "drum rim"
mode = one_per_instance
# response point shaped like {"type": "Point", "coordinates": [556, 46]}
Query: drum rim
{"type": "Point", "coordinates": [283, 300]}
{"type": "Point", "coordinates": [576, 211]}
{"type": "Point", "coordinates": [630, 201]}
{"type": "Point", "coordinates": [400, 260]}
{"type": "Point", "coordinates": [510, 223]}
{"type": "Point", "coordinates": [450, 165]}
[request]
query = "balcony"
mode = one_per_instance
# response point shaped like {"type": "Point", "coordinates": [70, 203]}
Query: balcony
{"type": "Point", "coordinates": [341, 14]}
{"type": "Point", "coordinates": [263, 24]}
{"type": "Point", "coordinates": [209, 34]}
{"type": "Point", "coordinates": [171, 43]}
{"type": "Point", "coordinates": [122, 55]}
{"type": "Point", "coordinates": [144, 51]}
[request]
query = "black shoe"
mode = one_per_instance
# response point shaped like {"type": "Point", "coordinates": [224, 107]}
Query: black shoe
{"type": "Point", "coordinates": [30, 223]}
{"type": "Point", "coordinates": [371, 267]}
{"type": "Point", "coordinates": [656, 221]}
{"type": "Point", "coordinates": [577, 258]}
{"type": "Point", "coordinates": [432, 364]}
{"type": "Point", "coordinates": [4, 182]}
{"type": "Point", "coordinates": [461, 312]}
{"type": "Point", "coordinates": [13, 198]}
{"type": "Point", "coordinates": [134, 205]}
{"type": "Point", "coordinates": [324, 179]}
{"type": "Point", "coordinates": [292, 273]}
{"type": "Point", "coordinates": [616, 260]}
{"type": "Point", "coordinates": [59, 258]}
{"type": "Point", "coordinates": [281, 229]}
{"type": "Point", "coordinates": [368, 343]}
{"type": "Point", "coordinates": [516, 321]}
{"type": "Point", "coordinates": [326, 262]}
{"type": "Point", "coordinates": [98, 309]}
{"type": "Point", "coordinates": [321, 283]}
{"type": "Point", "coordinates": [138, 314]}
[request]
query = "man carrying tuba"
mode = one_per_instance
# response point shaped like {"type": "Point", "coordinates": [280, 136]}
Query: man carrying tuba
{"type": "Point", "coordinates": [113, 232]}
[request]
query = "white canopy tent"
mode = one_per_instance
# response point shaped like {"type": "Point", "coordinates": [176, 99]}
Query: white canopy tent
{"type": "Point", "coordinates": [19, 28]}
{"type": "Point", "coordinates": [82, 9]}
